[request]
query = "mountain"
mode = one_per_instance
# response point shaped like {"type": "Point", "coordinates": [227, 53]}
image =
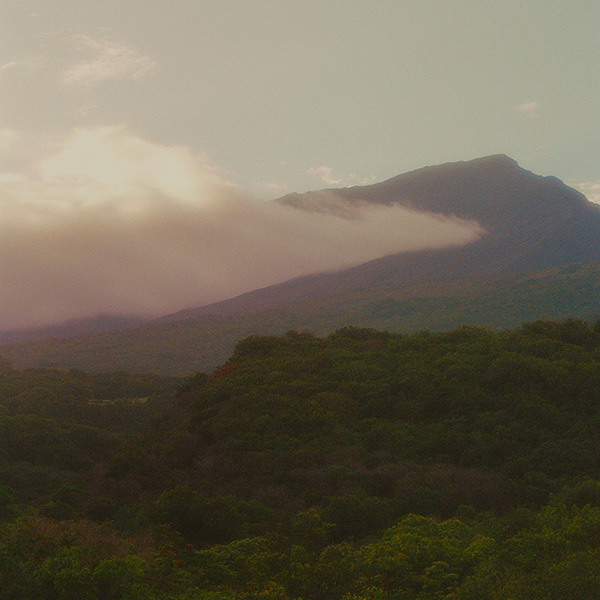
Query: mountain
{"type": "Point", "coordinates": [73, 327]}
{"type": "Point", "coordinates": [531, 222]}
{"type": "Point", "coordinates": [538, 258]}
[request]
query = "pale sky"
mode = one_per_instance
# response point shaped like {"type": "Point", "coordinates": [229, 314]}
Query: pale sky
{"type": "Point", "coordinates": [293, 94]}
{"type": "Point", "coordinates": [124, 105]}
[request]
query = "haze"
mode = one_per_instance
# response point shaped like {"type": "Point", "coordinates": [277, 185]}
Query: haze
{"type": "Point", "coordinates": [139, 147]}
{"type": "Point", "coordinates": [111, 223]}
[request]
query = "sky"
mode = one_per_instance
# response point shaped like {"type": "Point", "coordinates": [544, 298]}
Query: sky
{"type": "Point", "coordinates": [141, 141]}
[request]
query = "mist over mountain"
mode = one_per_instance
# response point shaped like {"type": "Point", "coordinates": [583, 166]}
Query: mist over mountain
{"type": "Point", "coordinates": [105, 222]}
{"type": "Point", "coordinates": [99, 324]}
{"type": "Point", "coordinates": [530, 222]}
{"type": "Point", "coordinates": [534, 253]}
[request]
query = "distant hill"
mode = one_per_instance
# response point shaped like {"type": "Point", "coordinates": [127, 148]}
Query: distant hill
{"type": "Point", "coordinates": [99, 324]}
{"type": "Point", "coordinates": [178, 347]}
{"type": "Point", "coordinates": [539, 258]}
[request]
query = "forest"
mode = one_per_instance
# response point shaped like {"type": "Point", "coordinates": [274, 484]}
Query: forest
{"type": "Point", "coordinates": [361, 465]}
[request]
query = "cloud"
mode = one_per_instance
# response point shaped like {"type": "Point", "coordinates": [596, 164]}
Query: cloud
{"type": "Point", "coordinates": [7, 140]}
{"type": "Point", "coordinates": [590, 189]}
{"type": "Point", "coordinates": [529, 109]}
{"type": "Point", "coordinates": [272, 189]}
{"type": "Point", "coordinates": [8, 65]}
{"type": "Point", "coordinates": [107, 222]}
{"type": "Point", "coordinates": [32, 63]}
{"type": "Point", "coordinates": [102, 162]}
{"type": "Point", "coordinates": [326, 175]}
{"type": "Point", "coordinates": [107, 60]}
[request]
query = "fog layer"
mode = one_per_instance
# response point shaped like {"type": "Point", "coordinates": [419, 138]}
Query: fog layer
{"type": "Point", "coordinates": [106, 222]}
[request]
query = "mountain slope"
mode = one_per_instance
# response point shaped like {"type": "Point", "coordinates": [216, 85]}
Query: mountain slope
{"type": "Point", "coordinates": [99, 324]}
{"type": "Point", "coordinates": [532, 223]}
{"type": "Point", "coordinates": [540, 258]}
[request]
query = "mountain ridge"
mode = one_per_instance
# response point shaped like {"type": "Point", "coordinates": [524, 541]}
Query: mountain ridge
{"type": "Point", "coordinates": [539, 259]}
{"type": "Point", "coordinates": [534, 244]}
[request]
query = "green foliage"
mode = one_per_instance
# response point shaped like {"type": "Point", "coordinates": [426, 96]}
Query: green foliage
{"type": "Point", "coordinates": [362, 465]}
{"type": "Point", "coordinates": [428, 422]}
{"type": "Point", "coordinates": [208, 521]}
{"type": "Point", "coordinates": [54, 425]}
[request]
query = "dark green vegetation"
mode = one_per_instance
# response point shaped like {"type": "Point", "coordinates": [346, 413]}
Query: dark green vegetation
{"type": "Point", "coordinates": [202, 342]}
{"type": "Point", "coordinates": [55, 425]}
{"type": "Point", "coordinates": [456, 465]}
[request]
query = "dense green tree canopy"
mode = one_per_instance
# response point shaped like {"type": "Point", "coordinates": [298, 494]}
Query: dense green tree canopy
{"type": "Point", "coordinates": [361, 465]}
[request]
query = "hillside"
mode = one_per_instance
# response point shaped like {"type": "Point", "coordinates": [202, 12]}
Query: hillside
{"type": "Point", "coordinates": [184, 346]}
{"type": "Point", "coordinates": [362, 464]}
{"type": "Point", "coordinates": [100, 324]}
{"type": "Point", "coordinates": [539, 258]}
{"type": "Point", "coordinates": [532, 223]}
{"type": "Point", "coordinates": [361, 411]}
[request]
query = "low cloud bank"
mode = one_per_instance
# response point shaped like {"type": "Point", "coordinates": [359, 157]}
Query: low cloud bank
{"type": "Point", "coordinates": [106, 222]}
{"type": "Point", "coordinates": [590, 189]}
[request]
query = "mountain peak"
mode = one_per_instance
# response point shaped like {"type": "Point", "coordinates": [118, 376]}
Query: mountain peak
{"type": "Point", "coordinates": [482, 163]}
{"type": "Point", "coordinates": [531, 221]}
{"type": "Point", "coordinates": [496, 159]}
{"type": "Point", "coordinates": [500, 162]}
{"type": "Point", "coordinates": [493, 190]}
